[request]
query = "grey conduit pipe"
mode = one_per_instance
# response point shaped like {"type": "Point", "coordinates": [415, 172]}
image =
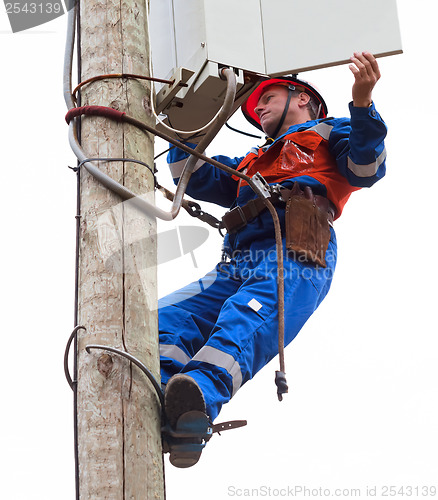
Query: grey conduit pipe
{"type": "Point", "coordinates": [148, 208]}
{"type": "Point", "coordinates": [222, 117]}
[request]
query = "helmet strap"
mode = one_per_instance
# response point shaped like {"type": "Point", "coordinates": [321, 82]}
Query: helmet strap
{"type": "Point", "coordinates": [318, 115]}
{"type": "Point", "coordinates": [291, 88]}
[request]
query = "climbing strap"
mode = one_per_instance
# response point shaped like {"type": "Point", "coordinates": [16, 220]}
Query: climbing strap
{"type": "Point", "coordinates": [193, 430]}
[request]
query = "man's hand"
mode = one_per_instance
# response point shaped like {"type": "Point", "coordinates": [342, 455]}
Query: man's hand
{"type": "Point", "coordinates": [366, 74]}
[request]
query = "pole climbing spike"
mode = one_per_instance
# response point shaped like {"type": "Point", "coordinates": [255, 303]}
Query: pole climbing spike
{"type": "Point", "coordinates": [281, 383]}
{"type": "Point", "coordinates": [193, 429]}
{"type": "Point", "coordinates": [192, 432]}
{"type": "Point", "coordinates": [186, 442]}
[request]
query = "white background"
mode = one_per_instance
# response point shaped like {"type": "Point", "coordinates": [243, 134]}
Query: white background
{"type": "Point", "coordinates": [363, 374]}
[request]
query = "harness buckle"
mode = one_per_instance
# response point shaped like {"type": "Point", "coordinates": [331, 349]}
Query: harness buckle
{"type": "Point", "coordinates": [263, 188]}
{"type": "Point", "coordinates": [234, 220]}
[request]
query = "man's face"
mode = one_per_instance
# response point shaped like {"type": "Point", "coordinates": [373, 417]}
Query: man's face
{"type": "Point", "coordinates": [270, 108]}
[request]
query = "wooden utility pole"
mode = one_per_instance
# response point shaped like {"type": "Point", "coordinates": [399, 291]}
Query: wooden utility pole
{"type": "Point", "coordinates": [119, 440]}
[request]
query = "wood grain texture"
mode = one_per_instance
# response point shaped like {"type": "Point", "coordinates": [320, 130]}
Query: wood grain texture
{"type": "Point", "coordinates": [118, 412]}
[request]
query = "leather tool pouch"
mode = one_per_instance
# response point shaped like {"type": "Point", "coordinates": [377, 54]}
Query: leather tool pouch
{"type": "Point", "coordinates": [307, 227]}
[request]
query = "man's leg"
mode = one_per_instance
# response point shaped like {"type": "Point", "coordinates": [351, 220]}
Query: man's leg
{"type": "Point", "coordinates": [187, 317]}
{"type": "Point", "coordinates": [245, 335]}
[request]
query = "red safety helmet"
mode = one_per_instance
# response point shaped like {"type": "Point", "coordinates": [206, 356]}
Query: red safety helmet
{"type": "Point", "coordinates": [292, 83]}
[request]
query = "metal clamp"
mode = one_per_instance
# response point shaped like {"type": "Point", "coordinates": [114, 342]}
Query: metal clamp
{"type": "Point", "coordinates": [195, 210]}
{"type": "Point", "coordinates": [168, 92]}
{"type": "Point", "coordinates": [262, 188]}
{"type": "Point", "coordinates": [281, 383]}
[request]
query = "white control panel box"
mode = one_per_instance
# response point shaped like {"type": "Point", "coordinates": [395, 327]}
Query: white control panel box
{"type": "Point", "coordinates": [258, 37]}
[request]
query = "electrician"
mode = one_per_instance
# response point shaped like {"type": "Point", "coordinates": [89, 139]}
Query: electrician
{"type": "Point", "coordinates": [215, 334]}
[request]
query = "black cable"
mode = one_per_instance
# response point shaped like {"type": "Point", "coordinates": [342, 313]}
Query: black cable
{"type": "Point", "coordinates": [78, 227]}
{"type": "Point", "coordinates": [242, 132]}
{"type": "Point", "coordinates": [76, 314]}
{"type": "Point", "coordinates": [127, 160]}
{"type": "Point", "coordinates": [164, 152]}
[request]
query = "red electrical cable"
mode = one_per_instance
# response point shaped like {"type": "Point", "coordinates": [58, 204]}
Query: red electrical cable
{"type": "Point", "coordinates": [104, 111]}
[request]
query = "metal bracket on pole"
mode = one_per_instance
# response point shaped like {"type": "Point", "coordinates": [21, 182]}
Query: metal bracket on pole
{"type": "Point", "coordinates": [193, 429]}
{"type": "Point", "coordinates": [168, 92]}
{"type": "Point", "coordinates": [72, 383]}
{"type": "Point", "coordinates": [136, 362]}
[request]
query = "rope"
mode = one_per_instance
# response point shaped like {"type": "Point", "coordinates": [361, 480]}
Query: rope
{"type": "Point", "coordinates": [123, 117]}
{"type": "Point", "coordinates": [74, 17]}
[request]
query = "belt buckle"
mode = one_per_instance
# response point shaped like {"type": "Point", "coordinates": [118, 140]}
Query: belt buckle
{"type": "Point", "coordinates": [243, 218]}
{"type": "Point", "coordinates": [234, 220]}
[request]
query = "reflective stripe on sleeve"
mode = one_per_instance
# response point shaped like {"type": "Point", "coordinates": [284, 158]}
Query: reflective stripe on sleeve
{"type": "Point", "coordinates": [367, 170]}
{"type": "Point", "coordinates": [219, 358]}
{"type": "Point", "coordinates": [174, 352]}
{"type": "Point", "coordinates": [177, 167]}
{"type": "Point", "coordinates": [322, 129]}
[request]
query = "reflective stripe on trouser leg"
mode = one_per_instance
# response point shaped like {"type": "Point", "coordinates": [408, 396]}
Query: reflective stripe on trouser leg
{"type": "Point", "coordinates": [187, 317]}
{"type": "Point", "coordinates": [219, 358]}
{"type": "Point", "coordinates": [174, 352]}
{"type": "Point", "coordinates": [172, 361]}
